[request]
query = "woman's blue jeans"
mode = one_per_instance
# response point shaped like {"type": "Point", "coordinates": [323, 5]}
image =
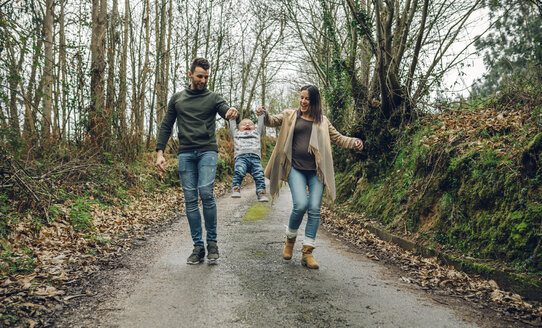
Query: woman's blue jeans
{"type": "Point", "coordinates": [197, 170]}
{"type": "Point", "coordinates": [298, 180]}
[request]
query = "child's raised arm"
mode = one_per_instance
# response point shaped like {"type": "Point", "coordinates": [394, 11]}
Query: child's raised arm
{"type": "Point", "coordinates": [233, 127]}
{"type": "Point", "coordinates": [261, 119]}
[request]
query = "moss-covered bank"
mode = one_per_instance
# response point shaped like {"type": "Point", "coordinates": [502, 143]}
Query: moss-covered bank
{"type": "Point", "coordinates": [467, 181]}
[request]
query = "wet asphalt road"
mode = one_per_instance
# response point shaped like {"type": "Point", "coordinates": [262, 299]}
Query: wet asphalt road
{"type": "Point", "coordinates": [253, 286]}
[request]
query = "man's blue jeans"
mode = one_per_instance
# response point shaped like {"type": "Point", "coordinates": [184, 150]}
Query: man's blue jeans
{"type": "Point", "coordinates": [298, 180]}
{"type": "Point", "coordinates": [197, 170]}
{"type": "Point", "coordinates": [249, 163]}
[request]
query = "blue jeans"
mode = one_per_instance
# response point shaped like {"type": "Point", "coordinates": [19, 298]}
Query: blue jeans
{"type": "Point", "coordinates": [298, 180]}
{"type": "Point", "coordinates": [249, 163]}
{"type": "Point", "coordinates": [197, 170]}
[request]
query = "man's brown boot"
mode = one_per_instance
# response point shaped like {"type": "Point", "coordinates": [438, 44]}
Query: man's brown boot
{"type": "Point", "coordinates": [307, 259]}
{"type": "Point", "coordinates": [288, 248]}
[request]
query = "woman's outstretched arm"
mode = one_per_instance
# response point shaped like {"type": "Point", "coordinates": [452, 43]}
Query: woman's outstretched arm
{"type": "Point", "coordinates": [270, 120]}
{"type": "Point", "coordinates": [342, 141]}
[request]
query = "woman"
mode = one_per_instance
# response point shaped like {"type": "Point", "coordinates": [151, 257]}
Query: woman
{"type": "Point", "coordinates": [302, 157]}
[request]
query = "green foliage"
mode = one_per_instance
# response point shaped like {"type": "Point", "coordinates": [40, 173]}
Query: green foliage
{"type": "Point", "coordinates": [513, 48]}
{"type": "Point", "coordinates": [107, 158]}
{"type": "Point", "coordinates": [450, 208]}
{"type": "Point", "coordinates": [11, 141]}
{"type": "Point", "coordinates": [223, 169]}
{"type": "Point", "coordinates": [267, 149]}
{"type": "Point", "coordinates": [12, 262]}
{"type": "Point", "coordinates": [99, 239]}
{"type": "Point", "coordinates": [171, 177]}
{"type": "Point", "coordinates": [7, 214]}
{"type": "Point", "coordinates": [110, 183]}
{"type": "Point", "coordinates": [363, 22]}
{"type": "Point", "coordinates": [440, 237]}
{"type": "Point", "coordinates": [339, 93]}
{"type": "Point", "coordinates": [80, 214]}
{"type": "Point", "coordinates": [9, 318]}
{"type": "Point", "coordinates": [537, 114]}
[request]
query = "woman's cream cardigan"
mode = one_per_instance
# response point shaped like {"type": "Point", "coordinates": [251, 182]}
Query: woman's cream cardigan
{"type": "Point", "coordinates": [278, 167]}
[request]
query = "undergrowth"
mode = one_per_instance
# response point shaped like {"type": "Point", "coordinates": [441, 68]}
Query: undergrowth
{"type": "Point", "coordinates": [56, 189]}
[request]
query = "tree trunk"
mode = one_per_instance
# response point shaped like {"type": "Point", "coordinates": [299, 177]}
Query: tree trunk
{"type": "Point", "coordinates": [216, 77]}
{"type": "Point", "coordinates": [29, 117]}
{"type": "Point", "coordinates": [113, 41]}
{"type": "Point", "coordinates": [162, 51]}
{"type": "Point", "coordinates": [56, 89]}
{"type": "Point", "coordinates": [267, 47]}
{"type": "Point", "coordinates": [208, 29]}
{"type": "Point", "coordinates": [245, 73]}
{"type": "Point", "coordinates": [3, 119]}
{"type": "Point", "coordinates": [81, 77]}
{"type": "Point", "coordinates": [136, 78]}
{"type": "Point", "coordinates": [167, 57]}
{"type": "Point", "coordinates": [196, 34]}
{"type": "Point", "coordinates": [64, 87]}
{"type": "Point", "coordinates": [121, 108]}
{"type": "Point", "coordinates": [139, 117]}
{"type": "Point", "coordinates": [98, 115]}
{"type": "Point", "coordinates": [15, 67]}
{"type": "Point", "coordinates": [187, 54]}
{"type": "Point", "coordinates": [160, 31]}
{"type": "Point", "coordinates": [47, 71]}
{"type": "Point", "coordinates": [263, 81]}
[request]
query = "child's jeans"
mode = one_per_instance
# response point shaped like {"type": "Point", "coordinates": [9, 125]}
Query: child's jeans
{"type": "Point", "coordinates": [249, 163]}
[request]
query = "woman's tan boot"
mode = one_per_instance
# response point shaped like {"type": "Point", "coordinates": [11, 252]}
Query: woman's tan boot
{"type": "Point", "coordinates": [288, 251]}
{"type": "Point", "coordinates": [307, 259]}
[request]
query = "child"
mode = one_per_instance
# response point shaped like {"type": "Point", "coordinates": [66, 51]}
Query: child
{"type": "Point", "coordinates": [247, 155]}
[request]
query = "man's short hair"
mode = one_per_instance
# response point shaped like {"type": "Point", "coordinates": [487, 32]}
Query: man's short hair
{"type": "Point", "coordinates": [201, 62]}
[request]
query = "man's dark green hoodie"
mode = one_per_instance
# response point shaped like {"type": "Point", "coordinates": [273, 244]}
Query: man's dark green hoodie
{"type": "Point", "coordinates": [195, 112]}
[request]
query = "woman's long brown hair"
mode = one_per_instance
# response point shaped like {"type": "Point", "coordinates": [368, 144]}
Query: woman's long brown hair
{"type": "Point", "coordinates": [315, 106]}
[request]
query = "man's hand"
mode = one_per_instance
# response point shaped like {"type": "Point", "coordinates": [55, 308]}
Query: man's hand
{"type": "Point", "coordinates": [161, 161]}
{"type": "Point", "coordinates": [232, 113]}
{"type": "Point", "coordinates": [260, 110]}
{"type": "Point", "coordinates": [359, 144]}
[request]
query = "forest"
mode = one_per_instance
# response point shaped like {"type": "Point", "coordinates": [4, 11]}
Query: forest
{"type": "Point", "coordinates": [452, 155]}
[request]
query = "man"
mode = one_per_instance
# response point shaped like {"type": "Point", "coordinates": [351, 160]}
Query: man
{"type": "Point", "coordinates": [195, 109]}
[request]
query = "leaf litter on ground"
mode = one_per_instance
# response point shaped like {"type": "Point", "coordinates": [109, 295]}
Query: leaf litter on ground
{"type": "Point", "coordinates": [62, 256]}
{"type": "Point", "coordinates": [429, 273]}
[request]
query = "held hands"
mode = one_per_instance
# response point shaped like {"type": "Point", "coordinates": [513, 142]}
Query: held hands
{"type": "Point", "coordinates": [260, 110]}
{"type": "Point", "coordinates": [359, 144]}
{"type": "Point", "coordinates": [232, 113]}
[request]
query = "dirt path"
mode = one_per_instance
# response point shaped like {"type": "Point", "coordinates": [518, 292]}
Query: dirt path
{"type": "Point", "coordinates": [253, 287]}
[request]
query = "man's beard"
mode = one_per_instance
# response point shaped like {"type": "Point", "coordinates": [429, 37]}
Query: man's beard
{"type": "Point", "coordinates": [200, 86]}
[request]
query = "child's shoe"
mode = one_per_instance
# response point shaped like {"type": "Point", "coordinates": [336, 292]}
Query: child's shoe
{"type": "Point", "coordinates": [262, 197]}
{"type": "Point", "coordinates": [236, 192]}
